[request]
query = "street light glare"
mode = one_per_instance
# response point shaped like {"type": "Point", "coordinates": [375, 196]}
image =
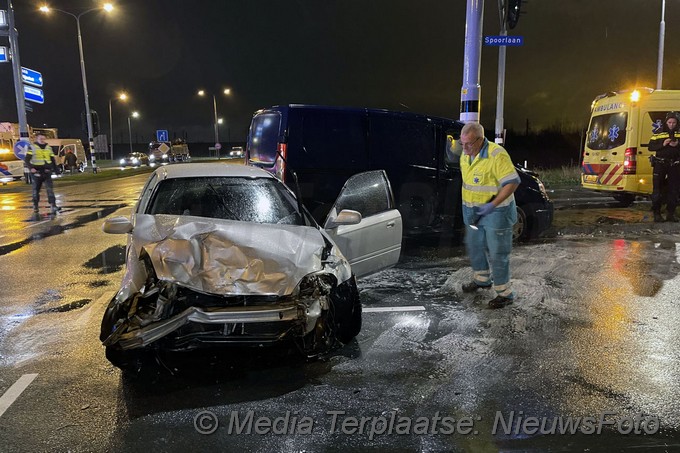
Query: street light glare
{"type": "Point", "coordinates": [45, 9]}
{"type": "Point", "coordinates": [201, 92]}
{"type": "Point", "coordinates": [135, 114]}
{"type": "Point", "coordinates": [108, 7]}
{"type": "Point", "coordinates": [227, 91]}
{"type": "Point", "coordinates": [123, 96]}
{"type": "Point", "coordinates": [220, 121]}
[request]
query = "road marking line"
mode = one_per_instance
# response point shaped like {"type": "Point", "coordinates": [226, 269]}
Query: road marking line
{"type": "Point", "coordinates": [39, 223]}
{"type": "Point", "coordinates": [15, 391]}
{"type": "Point", "coordinates": [390, 309]}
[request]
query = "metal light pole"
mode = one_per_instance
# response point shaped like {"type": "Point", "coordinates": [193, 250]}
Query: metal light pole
{"type": "Point", "coordinates": [134, 115]}
{"type": "Point", "coordinates": [471, 91]}
{"type": "Point", "coordinates": [122, 97]}
{"type": "Point", "coordinates": [226, 91]}
{"type": "Point", "coordinates": [662, 35]}
{"type": "Point", "coordinates": [90, 135]}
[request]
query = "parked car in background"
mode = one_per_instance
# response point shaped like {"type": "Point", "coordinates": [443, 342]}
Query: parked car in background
{"type": "Point", "coordinates": [134, 160]}
{"type": "Point", "coordinates": [226, 254]}
{"type": "Point", "coordinates": [236, 152]}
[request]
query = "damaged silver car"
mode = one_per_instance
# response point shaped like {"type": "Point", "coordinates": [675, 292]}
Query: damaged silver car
{"type": "Point", "coordinates": [222, 254]}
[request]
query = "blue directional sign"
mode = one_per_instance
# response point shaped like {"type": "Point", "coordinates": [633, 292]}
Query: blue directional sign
{"type": "Point", "coordinates": [504, 40]}
{"type": "Point", "coordinates": [3, 54]}
{"type": "Point", "coordinates": [34, 95]}
{"type": "Point", "coordinates": [162, 135]}
{"type": "Point", "coordinates": [31, 77]}
{"type": "Point", "coordinates": [20, 149]}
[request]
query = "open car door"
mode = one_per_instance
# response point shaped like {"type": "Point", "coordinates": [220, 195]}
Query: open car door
{"type": "Point", "coordinates": [365, 224]}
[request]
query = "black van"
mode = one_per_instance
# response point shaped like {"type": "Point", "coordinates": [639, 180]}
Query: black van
{"type": "Point", "coordinates": [324, 146]}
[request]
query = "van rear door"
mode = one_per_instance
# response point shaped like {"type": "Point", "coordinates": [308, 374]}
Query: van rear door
{"type": "Point", "coordinates": [374, 243]}
{"type": "Point", "coordinates": [605, 149]}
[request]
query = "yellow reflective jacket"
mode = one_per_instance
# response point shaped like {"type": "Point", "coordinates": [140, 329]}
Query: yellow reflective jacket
{"type": "Point", "coordinates": [40, 156]}
{"type": "Point", "coordinates": [484, 175]}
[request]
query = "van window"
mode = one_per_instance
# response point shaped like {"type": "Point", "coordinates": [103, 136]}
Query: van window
{"type": "Point", "coordinates": [397, 140]}
{"type": "Point", "coordinates": [263, 138]}
{"type": "Point", "coordinates": [607, 131]}
{"type": "Point", "coordinates": [335, 139]}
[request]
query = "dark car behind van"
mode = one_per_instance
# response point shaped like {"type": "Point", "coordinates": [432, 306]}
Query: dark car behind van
{"type": "Point", "coordinates": [326, 145]}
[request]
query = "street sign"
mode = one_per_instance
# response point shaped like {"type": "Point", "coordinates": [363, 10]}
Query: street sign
{"type": "Point", "coordinates": [504, 40]}
{"type": "Point", "coordinates": [28, 107]}
{"type": "Point", "coordinates": [3, 18]}
{"type": "Point", "coordinates": [3, 54]}
{"type": "Point", "coordinates": [34, 94]}
{"type": "Point", "coordinates": [218, 146]}
{"type": "Point", "coordinates": [31, 77]}
{"type": "Point", "coordinates": [20, 149]}
{"type": "Point", "coordinates": [162, 135]}
{"type": "Point", "coordinates": [163, 148]}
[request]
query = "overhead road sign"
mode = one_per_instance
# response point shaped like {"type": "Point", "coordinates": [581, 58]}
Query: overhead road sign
{"type": "Point", "coordinates": [34, 94]}
{"type": "Point", "coordinates": [3, 54]}
{"type": "Point", "coordinates": [504, 40]}
{"type": "Point", "coordinates": [162, 135]}
{"type": "Point", "coordinates": [31, 77]}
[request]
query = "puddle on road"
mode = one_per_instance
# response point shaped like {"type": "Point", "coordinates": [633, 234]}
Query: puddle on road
{"type": "Point", "coordinates": [58, 229]}
{"type": "Point", "coordinates": [108, 262]}
{"type": "Point", "coordinates": [66, 307]}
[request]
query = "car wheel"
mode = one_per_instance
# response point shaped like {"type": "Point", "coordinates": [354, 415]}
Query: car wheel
{"type": "Point", "coordinates": [348, 318]}
{"type": "Point", "coordinates": [624, 199]}
{"type": "Point", "coordinates": [520, 231]}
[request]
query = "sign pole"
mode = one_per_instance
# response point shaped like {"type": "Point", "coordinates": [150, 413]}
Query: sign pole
{"type": "Point", "coordinates": [16, 71]}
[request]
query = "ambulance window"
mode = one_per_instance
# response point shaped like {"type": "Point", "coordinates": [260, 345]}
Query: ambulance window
{"type": "Point", "coordinates": [607, 131]}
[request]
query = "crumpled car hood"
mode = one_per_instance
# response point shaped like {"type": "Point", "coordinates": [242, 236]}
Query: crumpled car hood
{"type": "Point", "coordinates": [228, 257]}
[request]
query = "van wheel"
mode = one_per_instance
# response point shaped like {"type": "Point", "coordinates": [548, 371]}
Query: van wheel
{"type": "Point", "coordinates": [520, 230]}
{"type": "Point", "coordinates": [624, 199]}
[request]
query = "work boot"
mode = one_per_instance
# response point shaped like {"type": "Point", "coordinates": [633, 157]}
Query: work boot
{"type": "Point", "coordinates": [471, 287]}
{"type": "Point", "coordinates": [500, 302]}
{"type": "Point", "coordinates": [36, 213]}
{"type": "Point", "coordinates": [657, 217]}
{"type": "Point", "coordinates": [55, 209]}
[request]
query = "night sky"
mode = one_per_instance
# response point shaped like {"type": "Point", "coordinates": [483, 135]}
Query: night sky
{"type": "Point", "coordinates": [394, 54]}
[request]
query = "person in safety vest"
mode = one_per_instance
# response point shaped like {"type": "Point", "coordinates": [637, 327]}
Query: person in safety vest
{"type": "Point", "coordinates": [666, 163]}
{"type": "Point", "coordinates": [41, 162]}
{"type": "Point", "coordinates": [489, 212]}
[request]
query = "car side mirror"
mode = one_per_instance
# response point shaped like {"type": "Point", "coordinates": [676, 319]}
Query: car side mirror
{"type": "Point", "coordinates": [117, 225]}
{"type": "Point", "coordinates": [345, 217]}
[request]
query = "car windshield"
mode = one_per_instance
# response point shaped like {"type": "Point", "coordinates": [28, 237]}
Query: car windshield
{"type": "Point", "coordinates": [261, 200]}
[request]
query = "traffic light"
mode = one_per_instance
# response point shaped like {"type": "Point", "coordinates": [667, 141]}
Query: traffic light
{"type": "Point", "coordinates": [95, 122]}
{"type": "Point", "coordinates": [513, 12]}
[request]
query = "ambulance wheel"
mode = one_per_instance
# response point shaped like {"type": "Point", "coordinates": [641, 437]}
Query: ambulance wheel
{"type": "Point", "coordinates": [624, 199]}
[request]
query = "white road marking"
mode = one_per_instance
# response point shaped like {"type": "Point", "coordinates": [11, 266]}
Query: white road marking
{"type": "Point", "coordinates": [15, 391]}
{"type": "Point", "coordinates": [391, 309]}
{"type": "Point", "coordinates": [39, 223]}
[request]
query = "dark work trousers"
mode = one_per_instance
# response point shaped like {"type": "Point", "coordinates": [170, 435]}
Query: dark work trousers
{"type": "Point", "coordinates": [666, 182]}
{"type": "Point", "coordinates": [38, 179]}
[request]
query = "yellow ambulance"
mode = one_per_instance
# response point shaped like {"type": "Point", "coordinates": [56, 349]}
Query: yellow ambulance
{"type": "Point", "coordinates": [616, 153]}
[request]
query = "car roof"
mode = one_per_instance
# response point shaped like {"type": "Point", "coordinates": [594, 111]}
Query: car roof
{"type": "Point", "coordinates": [198, 169]}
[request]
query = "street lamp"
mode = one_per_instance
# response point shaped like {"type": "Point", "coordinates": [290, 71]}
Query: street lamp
{"type": "Point", "coordinates": [133, 115]}
{"type": "Point", "coordinates": [108, 7]}
{"type": "Point", "coordinates": [227, 92]}
{"type": "Point", "coordinates": [122, 97]}
{"type": "Point", "coordinates": [662, 34]}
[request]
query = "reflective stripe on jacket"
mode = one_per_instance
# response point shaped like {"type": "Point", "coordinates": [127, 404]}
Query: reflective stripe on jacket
{"type": "Point", "coordinates": [484, 176]}
{"type": "Point", "coordinates": [40, 156]}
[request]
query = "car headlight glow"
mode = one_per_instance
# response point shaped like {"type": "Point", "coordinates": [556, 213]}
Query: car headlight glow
{"type": "Point", "coordinates": [152, 157]}
{"type": "Point", "coordinates": [122, 161]}
{"type": "Point", "coordinates": [165, 156]}
{"type": "Point", "coordinates": [135, 160]}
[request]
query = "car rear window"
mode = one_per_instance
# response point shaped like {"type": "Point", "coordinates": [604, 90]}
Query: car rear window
{"type": "Point", "coordinates": [607, 131]}
{"type": "Point", "coordinates": [263, 138]}
{"type": "Point", "coordinates": [261, 200]}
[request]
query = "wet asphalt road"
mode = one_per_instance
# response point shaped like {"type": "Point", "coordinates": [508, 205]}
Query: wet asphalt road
{"type": "Point", "coordinates": [594, 333]}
